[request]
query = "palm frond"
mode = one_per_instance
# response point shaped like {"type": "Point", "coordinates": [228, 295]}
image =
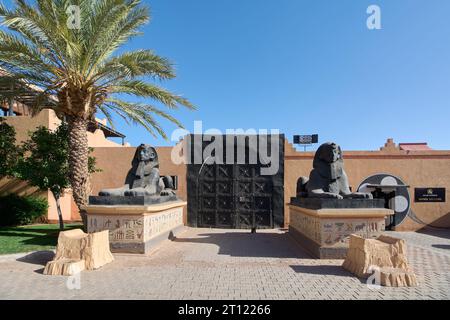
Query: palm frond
{"type": "Point", "coordinates": [79, 66]}
{"type": "Point", "coordinates": [121, 24]}
{"type": "Point", "coordinates": [135, 64]}
{"type": "Point", "coordinates": [143, 89]}
{"type": "Point", "coordinates": [23, 55]}
{"type": "Point", "coordinates": [144, 112]}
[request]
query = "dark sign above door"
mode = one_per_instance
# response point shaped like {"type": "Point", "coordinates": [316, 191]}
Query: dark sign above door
{"type": "Point", "coordinates": [429, 194]}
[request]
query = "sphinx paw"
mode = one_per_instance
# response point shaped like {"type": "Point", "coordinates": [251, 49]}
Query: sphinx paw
{"type": "Point", "coordinates": [167, 192]}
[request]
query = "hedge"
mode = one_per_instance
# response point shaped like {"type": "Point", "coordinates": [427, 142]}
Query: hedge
{"type": "Point", "coordinates": [20, 210]}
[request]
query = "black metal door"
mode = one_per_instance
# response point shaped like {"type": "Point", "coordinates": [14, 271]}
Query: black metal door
{"type": "Point", "coordinates": [215, 197]}
{"type": "Point", "coordinates": [235, 195]}
{"type": "Point", "coordinates": [253, 198]}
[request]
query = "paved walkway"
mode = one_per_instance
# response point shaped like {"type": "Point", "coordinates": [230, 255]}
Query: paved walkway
{"type": "Point", "coordinates": [229, 264]}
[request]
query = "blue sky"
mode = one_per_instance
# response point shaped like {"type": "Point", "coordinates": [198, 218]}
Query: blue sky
{"type": "Point", "coordinates": [307, 66]}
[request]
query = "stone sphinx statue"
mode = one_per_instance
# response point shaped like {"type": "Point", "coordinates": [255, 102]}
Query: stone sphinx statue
{"type": "Point", "coordinates": [328, 178]}
{"type": "Point", "coordinates": [144, 178]}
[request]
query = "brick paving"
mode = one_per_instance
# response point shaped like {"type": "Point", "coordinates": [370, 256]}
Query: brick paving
{"type": "Point", "coordinates": [229, 264]}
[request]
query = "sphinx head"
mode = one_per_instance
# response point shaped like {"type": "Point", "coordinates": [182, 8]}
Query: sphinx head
{"type": "Point", "coordinates": [329, 152]}
{"type": "Point", "coordinates": [147, 153]}
{"type": "Point", "coordinates": [328, 160]}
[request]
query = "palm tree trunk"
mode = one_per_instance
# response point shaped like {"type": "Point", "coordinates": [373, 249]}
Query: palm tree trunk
{"type": "Point", "coordinates": [11, 107]}
{"type": "Point", "coordinates": [78, 162]}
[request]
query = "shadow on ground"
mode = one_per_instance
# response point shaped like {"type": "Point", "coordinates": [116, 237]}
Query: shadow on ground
{"type": "Point", "coordinates": [323, 270]}
{"type": "Point", "coordinates": [441, 246]}
{"type": "Point", "coordinates": [439, 233]}
{"type": "Point", "coordinates": [246, 244]}
{"type": "Point", "coordinates": [38, 257]}
{"type": "Point", "coordinates": [327, 270]}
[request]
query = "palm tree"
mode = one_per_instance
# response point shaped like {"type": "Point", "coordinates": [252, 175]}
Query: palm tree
{"type": "Point", "coordinates": [67, 48]}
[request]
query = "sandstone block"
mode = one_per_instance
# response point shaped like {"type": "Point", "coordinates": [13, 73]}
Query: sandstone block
{"type": "Point", "coordinates": [386, 254]}
{"type": "Point", "coordinates": [77, 251]}
{"type": "Point", "coordinates": [64, 267]}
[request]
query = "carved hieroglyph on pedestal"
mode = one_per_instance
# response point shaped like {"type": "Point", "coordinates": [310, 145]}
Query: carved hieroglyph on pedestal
{"type": "Point", "coordinates": [387, 254]}
{"type": "Point", "coordinates": [134, 229]}
{"type": "Point", "coordinates": [77, 251]}
{"type": "Point", "coordinates": [326, 232]}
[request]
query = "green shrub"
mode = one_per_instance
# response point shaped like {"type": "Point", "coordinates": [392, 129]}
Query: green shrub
{"type": "Point", "coordinates": [16, 210]}
{"type": "Point", "coordinates": [8, 150]}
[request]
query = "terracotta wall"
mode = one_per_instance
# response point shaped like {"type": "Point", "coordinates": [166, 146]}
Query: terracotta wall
{"type": "Point", "coordinates": [417, 169]}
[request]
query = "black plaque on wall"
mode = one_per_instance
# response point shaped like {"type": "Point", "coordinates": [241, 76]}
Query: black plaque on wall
{"type": "Point", "coordinates": [429, 194]}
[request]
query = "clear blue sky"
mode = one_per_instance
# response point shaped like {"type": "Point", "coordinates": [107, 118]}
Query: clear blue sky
{"type": "Point", "coordinates": [307, 66]}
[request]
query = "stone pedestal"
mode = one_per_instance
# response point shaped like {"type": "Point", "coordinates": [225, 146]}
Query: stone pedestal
{"type": "Point", "coordinates": [325, 233]}
{"type": "Point", "coordinates": [136, 228]}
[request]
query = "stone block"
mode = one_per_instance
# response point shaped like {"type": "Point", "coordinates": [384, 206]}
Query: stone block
{"type": "Point", "coordinates": [64, 267]}
{"type": "Point", "coordinates": [77, 251]}
{"type": "Point", "coordinates": [385, 254]}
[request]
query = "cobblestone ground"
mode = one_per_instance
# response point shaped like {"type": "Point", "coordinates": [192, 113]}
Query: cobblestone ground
{"type": "Point", "coordinates": [229, 264]}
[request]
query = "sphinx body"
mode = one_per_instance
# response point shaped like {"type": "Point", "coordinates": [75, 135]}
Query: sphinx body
{"type": "Point", "coordinates": [328, 178]}
{"type": "Point", "coordinates": [144, 178]}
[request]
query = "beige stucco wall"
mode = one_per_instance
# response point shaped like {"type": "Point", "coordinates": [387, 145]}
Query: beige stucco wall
{"type": "Point", "coordinates": [48, 118]}
{"type": "Point", "coordinates": [25, 124]}
{"type": "Point", "coordinates": [98, 139]}
{"type": "Point", "coordinates": [417, 169]}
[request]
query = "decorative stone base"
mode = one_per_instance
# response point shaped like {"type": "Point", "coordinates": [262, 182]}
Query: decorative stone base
{"type": "Point", "coordinates": [325, 233]}
{"type": "Point", "coordinates": [136, 228]}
